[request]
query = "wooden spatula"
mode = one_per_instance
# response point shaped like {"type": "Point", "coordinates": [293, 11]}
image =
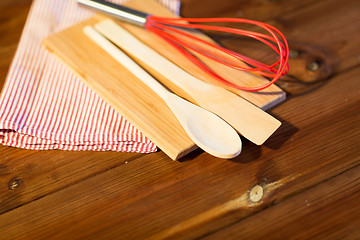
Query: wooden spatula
{"type": "Point", "coordinates": [250, 121]}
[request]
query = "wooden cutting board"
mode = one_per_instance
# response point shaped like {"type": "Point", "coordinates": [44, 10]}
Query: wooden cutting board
{"type": "Point", "coordinates": [128, 95]}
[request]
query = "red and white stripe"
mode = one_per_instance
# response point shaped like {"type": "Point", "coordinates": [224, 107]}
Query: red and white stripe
{"type": "Point", "coordinates": [43, 105]}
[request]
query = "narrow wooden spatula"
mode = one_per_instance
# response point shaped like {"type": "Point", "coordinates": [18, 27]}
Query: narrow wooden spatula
{"type": "Point", "coordinates": [250, 121]}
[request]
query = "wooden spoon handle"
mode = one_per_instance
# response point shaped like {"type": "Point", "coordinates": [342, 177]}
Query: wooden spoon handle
{"type": "Point", "coordinates": [127, 62]}
{"type": "Point", "coordinates": [133, 46]}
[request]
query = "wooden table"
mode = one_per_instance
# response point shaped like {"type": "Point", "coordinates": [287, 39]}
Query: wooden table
{"type": "Point", "coordinates": [303, 183]}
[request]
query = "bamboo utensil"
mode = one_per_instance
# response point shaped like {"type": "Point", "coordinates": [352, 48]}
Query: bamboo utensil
{"type": "Point", "coordinates": [250, 121]}
{"type": "Point", "coordinates": [207, 130]}
{"type": "Point", "coordinates": [129, 96]}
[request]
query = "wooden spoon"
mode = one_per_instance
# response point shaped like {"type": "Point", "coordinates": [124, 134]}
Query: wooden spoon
{"type": "Point", "coordinates": [250, 121]}
{"type": "Point", "coordinates": [207, 130]}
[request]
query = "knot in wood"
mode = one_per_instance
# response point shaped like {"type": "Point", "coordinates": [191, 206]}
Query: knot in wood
{"type": "Point", "coordinates": [313, 66]}
{"type": "Point", "coordinates": [14, 183]}
{"type": "Point", "coordinates": [256, 193]}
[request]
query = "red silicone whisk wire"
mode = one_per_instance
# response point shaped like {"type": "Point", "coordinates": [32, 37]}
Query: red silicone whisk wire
{"type": "Point", "coordinates": [164, 27]}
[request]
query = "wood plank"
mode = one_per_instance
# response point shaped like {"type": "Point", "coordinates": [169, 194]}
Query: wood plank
{"type": "Point", "coordinates": [335, 34]}
{"type": "Point", "coordinates": [10, 31]}
{"type": "Point", "coordinates": [256, 10]}
{"type": "Point", "coordinates": [150, 196]}
{"type": "Point", "coordinates": [318, 140]}
{"type": "Point", "coordinates": [319, 33]}
{"type": "Point", "coordinates": [329, 210]}
{"type": "Point", "coordinates": [20, 5]}
{"type": "Point", "coordinates": [27, 175]}
{"type": "Point", "coordinates": [303, 22]}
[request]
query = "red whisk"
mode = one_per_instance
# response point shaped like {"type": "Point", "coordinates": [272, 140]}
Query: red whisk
{"type": "Point", "coordinates": [171, 30]}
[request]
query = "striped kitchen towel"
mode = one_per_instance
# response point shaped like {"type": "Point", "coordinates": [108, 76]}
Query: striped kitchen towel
{"type": "Point", "coordinates": [43, 105]}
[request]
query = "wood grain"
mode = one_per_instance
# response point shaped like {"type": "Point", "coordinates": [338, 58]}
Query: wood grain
{"type": "Point", "coordinates": [39, 173]}
{"type": "Point", "coordinates": [317, 32]}
{"type": "Point", "coordinates": [142, 107]}
{"type": "Point", "coordinates": [314, 156]}
{"type": "Point", "coordinates": [11, 28]}
{"type": "Point", "coordinates": [120, 89]}
{"type": "Point", "coordinates": [326, 211]}
{"type": "Point", "coordinates": [151, 193]}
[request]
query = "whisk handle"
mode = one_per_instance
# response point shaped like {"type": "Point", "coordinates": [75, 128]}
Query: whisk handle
{"type": "Point", "coordinates": [118, 11]}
